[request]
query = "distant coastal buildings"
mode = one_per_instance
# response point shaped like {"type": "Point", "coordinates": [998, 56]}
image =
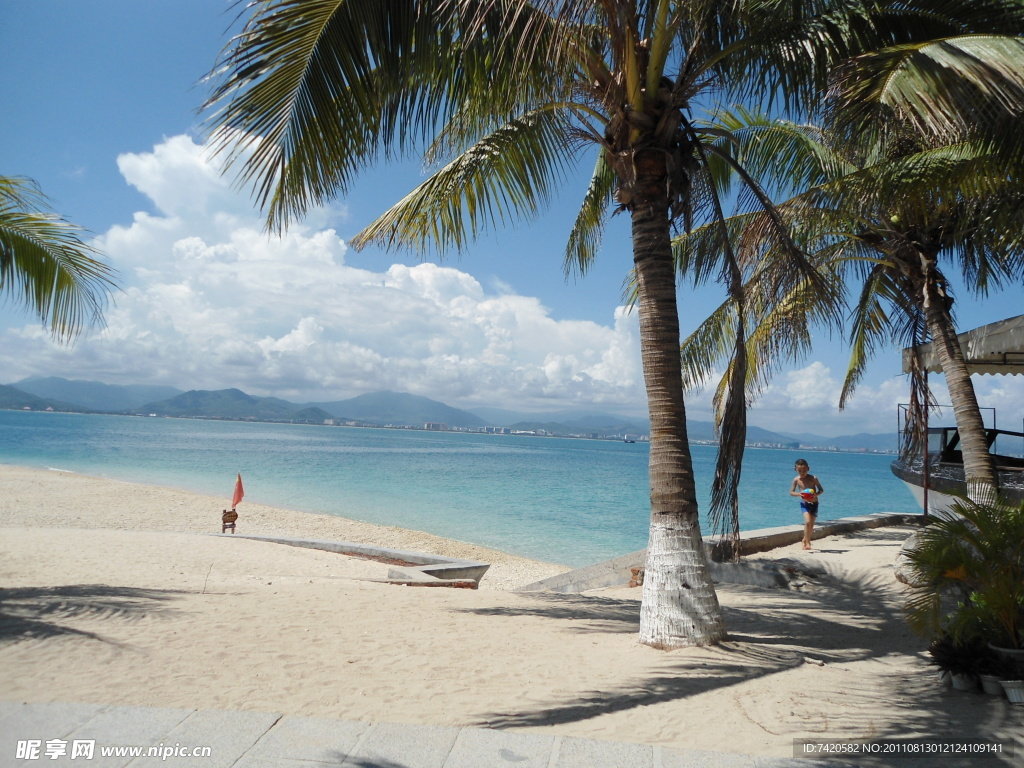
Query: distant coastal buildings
{"type": "Point", "coordinates": [388, 410]}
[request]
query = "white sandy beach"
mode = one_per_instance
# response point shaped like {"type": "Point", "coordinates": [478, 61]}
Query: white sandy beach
{"type": "Point", "coordinates": [110, 594]}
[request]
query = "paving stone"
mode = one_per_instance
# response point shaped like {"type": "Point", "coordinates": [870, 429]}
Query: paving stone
{"type": "Point", "coordinates": [588, 753]}
{"type": "Point", "coordinates": [277, 762]}
{"type": "Point", "coordinates": [408, 746]}
{"type": "Point", "coordinates": [699, 758]}
{"type": "Point", "coordinates": [231, 734]}
{"type": "Point", "coordinates": [266, 740]}
{"type": "Point", "coordinates": [315, 739]}
{"type": "Point", "coordinates": [478, 747]}
{"type": "Point", "coordinates": [41, 722]}
{"type": "Point", "coordinates": [124, 727]}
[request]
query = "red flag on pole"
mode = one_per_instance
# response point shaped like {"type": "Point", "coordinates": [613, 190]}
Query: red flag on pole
{"type": "Point", "coordinates": [239, 492]}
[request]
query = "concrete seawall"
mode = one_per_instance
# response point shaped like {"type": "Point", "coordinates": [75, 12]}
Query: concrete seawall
{"type": "Point", "coordinates": [616, 572]}
{"type": "Point", "coordinates": [410, 568]}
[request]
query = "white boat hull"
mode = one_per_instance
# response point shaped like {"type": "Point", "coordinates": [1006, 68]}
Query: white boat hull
{"type": "Point", "coordinates": [937, 501]}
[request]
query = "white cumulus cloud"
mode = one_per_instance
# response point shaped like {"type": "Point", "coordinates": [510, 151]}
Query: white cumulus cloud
{"type": "Point", "coordinates": [212, 301]}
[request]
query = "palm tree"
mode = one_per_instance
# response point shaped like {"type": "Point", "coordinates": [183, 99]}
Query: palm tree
{"type": "Point", "coordinates": [964, 91]}
{"type": "Point", "coordinates": [884, 216]}
{"type": "Point", "coordinates": [503, 95]}
{"type": "Point", "coordinates": [45, 265]}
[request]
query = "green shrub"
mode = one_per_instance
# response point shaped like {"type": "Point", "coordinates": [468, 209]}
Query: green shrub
{"type": "Point", "coordinates": [976, 555]}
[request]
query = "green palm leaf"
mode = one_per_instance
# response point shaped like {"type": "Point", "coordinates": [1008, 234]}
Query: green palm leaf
{"type": "Point", "coordinates": [505, 175]}
{"type": "Point", "coordinates": [950, 88]}
{"type": "Point", "coordinates": [45, 266]}
{"type": "Point", "coordinates": [313, 91]}
{"type": "Point", "coordinates": [783, 153]}
{"type": "Point", "coordinates": [587, 231]}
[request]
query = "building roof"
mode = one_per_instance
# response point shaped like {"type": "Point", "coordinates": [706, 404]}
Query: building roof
{"type": "Point", "coordinates": [994, 348]}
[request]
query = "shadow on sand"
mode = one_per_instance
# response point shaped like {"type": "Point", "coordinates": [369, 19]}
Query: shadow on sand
{"type": "Point", "coordinates": [37, 613]}
{"type": "Point", "coordinates": [841, 618]}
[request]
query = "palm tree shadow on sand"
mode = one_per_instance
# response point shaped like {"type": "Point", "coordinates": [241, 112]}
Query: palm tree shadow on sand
{"type": "Point", "coordinates": [840, 618]}
{"type": "Point", "coordinates": [38, 613]}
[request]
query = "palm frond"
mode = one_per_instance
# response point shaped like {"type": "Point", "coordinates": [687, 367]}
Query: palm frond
{"type": "Point", "coordinates": [869, 328]}
{"type": "Point", "coordinates": [781, 307]}
{"type": "Point", "coordinates": [917, 185]}
{"type": "Point", "coordinates": [952, 88]}
{"type": "Point", "coordinates": [697, 252]}
{"type": "Point", "coordinates": [587, 231]}
{"type": "Point", "coordinates": [660, 36]}
{"type": "Point", "coordinates": [46, 266]}
{"type": "Point", "coordinates": [767, 233]}
{"type": "Point", "coordinates": [313, 91]}
{"type": "Point", "coordinates": [781, 323]}
{"type": "Point", "coordinates": [786, 157]}
{"type": "Point", "coordinates": [294, 98]}
{"type": "Point", "coordinates": [508, 174]}
{"type": "Point", "coordinates": [785, 50]}
{"type": "Point", "coordinates": [724, 512]}
{"type": "Point", "coordinates": [708, 345]}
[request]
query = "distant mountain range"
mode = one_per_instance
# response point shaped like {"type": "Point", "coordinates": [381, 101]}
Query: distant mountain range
{"type": "Point", "coordinates": [12, 399]}
{"type": "Point", "coordinates": [94, 395]}
{"type": "Point", "coordinates": [372, 409]}
{"type": "Point", "coordinates": [232, 404]}
{"type": "Point", "coordinates": [400, 408]}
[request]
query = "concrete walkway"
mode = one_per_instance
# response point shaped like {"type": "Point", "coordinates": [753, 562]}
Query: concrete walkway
{"type": "Point", "coordinates": [266, 740]}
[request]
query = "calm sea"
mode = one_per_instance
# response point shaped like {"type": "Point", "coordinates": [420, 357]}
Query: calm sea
{"type": "Point", "coordinates": [566, 501]}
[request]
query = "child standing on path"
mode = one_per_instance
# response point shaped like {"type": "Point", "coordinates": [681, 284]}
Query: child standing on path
{"type": "Point", "coordinates": [807, 488]}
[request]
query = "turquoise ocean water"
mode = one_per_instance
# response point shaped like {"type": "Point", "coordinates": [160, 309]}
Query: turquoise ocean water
{"type": "Point", "coordinates": [566, 501]}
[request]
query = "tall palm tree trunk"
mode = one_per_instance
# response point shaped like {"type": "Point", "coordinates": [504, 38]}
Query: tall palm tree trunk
{"type": "Point", "coordinates": [680, 607]}
{"type": "Point", "coordinates": [979, 469]}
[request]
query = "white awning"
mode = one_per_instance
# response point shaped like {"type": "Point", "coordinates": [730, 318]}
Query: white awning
{"type": "Point", "coordinates": [994, 348]}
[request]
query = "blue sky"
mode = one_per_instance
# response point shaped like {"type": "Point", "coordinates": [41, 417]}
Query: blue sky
{"type": "Point", "coordinates": [100, 104]}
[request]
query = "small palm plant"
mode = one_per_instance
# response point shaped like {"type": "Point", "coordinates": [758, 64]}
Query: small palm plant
{"type": "Point", "coordinates": [967, 658]}
{"type": "Point", "coordinates": [977, 554]}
